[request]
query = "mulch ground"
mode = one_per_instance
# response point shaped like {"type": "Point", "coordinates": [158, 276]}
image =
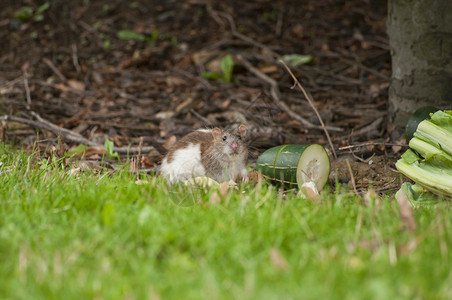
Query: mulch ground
{"type": "Point", "coordinates": [75, 66]}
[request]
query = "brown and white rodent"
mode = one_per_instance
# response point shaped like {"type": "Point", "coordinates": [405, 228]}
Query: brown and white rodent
{"type": "Point", "coordinates": [218, 154]}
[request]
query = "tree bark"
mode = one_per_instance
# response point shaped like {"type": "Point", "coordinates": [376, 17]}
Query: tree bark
{"type": "Point", "coordinates": [420, 36]}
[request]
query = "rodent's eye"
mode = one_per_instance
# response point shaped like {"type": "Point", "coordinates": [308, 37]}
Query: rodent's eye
{"type": "Point", "coordinates": [224, 138]}
{"type": "Point", "coordinates": [239, 137]}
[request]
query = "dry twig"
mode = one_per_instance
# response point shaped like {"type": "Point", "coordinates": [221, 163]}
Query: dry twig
{"type": "Point", "coordinates": [54, 69]}
{"type": "Point", "coordinates": [75, 59]}
{"type": "Point", "coordinates": [311, 102]}
{"type": "Point", "coordinates": [27, 88]}
{"type": "Point", "coordinates": [370, 144]}
{"type": "Point", "coordinates": [352, 178]}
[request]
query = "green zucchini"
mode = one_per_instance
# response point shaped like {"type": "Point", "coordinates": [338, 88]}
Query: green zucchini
{"type": "Point", "coordinates": [292, 165]}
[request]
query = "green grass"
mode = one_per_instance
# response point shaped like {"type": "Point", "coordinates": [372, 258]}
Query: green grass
{"type": "Point", "coordinates": [102, 236]}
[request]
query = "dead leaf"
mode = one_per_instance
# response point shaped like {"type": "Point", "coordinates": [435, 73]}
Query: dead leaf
{"type": "Point", "coordinates": [370, 147]}
{"type": "Point", "coordinates": [62, 87]}
{"type": "Point", "coordinates": [224, 187]}
{"type": "Point", "coordinates": [173, 82]}
{"type": "Point", "coordinates": [396, 148]}
{"type": "Point", "coordinates": [170, 142]}
{"type": "Point", "coordinates": [118, 140]}
{"type": "Point", "coordinates": [253, 176]}
{"type": "Point", "coordinates": [409, 247]}
{"type": "Point", "coordinates": [215, 198]}
{"type": "Point", "coordinates": [298, 30]}
{"type": "Point", "coordinates": [372, 245]}
{"type": "Point", "coordinates": [74, 172]}
{"type": "Point", "coordinates": [371, 197]}
{"type": "Point", "coordinates": [200, 57]}
{"type": "Point", "coordinates": [26, 66]}
{"type": "Point", "coordinates": [277, 260]}
{"type": "Point", "coordinates": [92, 166]}
{"type": "Point", "coordinates": [163, 115]}
{"type": "Point", "coordinates": [406, 212]}
{"type": "Point", "coordinates": [76, 85]}
{"type": "Point", "coordinates": [214, 65]}
{"type": "Point", "coordinates": [92, 152]}
{"type": "Point", "coordinates": [225, 104]}
{"type": "Point", "coordinates": [269, 69]}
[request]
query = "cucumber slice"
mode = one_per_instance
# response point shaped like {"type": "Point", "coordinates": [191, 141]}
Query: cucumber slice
{"type": "Point", "coordinates": [417, 117]}
{"type": "Point", "coordinates": [295, 164]}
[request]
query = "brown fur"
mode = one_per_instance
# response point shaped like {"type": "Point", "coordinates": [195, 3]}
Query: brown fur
{"type": "Point", "coordinates": [203, 138]}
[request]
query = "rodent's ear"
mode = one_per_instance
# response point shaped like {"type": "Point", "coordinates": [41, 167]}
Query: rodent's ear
{"type": "Point", "coordinates": [216, 132]}
{"type": "Point", "coordinates": [242, 130]}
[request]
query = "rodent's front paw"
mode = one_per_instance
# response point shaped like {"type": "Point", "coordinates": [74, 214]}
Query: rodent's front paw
{"type": "Point", "coordinates": [245, 179]}
{"type": "Point", "coordinates": [232, 182]}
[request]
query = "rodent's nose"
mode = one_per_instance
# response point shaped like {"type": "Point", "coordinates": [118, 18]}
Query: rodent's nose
{"type": "Point", "coordinates": [234, 145]}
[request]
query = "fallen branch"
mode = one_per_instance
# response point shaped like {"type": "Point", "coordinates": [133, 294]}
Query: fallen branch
{"type": "Point", "coordinates": [55, 70]}
{"type": "Point", "coordinates": [69, 135]}
{"type": "Point", "coordinates": [311, 102]}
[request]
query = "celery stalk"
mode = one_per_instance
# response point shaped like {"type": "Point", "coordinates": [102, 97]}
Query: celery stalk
{"type": "Point", "coordinates": [431, 165]}
{"type": "Point", "coordinates": [436, 134]}
{"type": "Point", "coordinates": [436, 179]}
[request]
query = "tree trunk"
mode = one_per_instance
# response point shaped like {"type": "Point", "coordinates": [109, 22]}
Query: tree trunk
{"type": "Point", "coordinates": [420, 36]}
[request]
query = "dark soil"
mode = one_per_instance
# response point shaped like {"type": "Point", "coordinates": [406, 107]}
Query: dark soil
{"type": "Point", "coordinates": [83, 75]}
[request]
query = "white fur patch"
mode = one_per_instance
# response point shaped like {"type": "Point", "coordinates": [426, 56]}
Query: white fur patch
{"type": "Point", "coordinates": [186, 163]}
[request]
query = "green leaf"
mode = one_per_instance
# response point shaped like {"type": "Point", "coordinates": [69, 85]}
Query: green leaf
{"type": "Point", "coordinates": [443, 119]}
{"type": "Point", "coordinates": [107, 44]}
{"type": "Point", "coordinates": [417, 195]}
{"type": "Point", "coordinates": [42, 8]}
{"type": "Point", "coordinates": [131, 35]}
{"type": "Point", "coordinates": [38, 18]}
{"type": "Point", "coordinates": [211, 75]}
{"type": "Point", "coordinates": [296, 59]}
{"type": "Point", "coordinates": [25, 13]}
{"type": "Point", "coordinates": [108, 145]}
{"type": "Point", "coordinates": [227, 64]}
{"type": "Point", "coordinates": [80, 149]}
{"type": "Point", "coordinates": [154, 36]}
{"type": "Point", "coordinates": [410, 157]}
